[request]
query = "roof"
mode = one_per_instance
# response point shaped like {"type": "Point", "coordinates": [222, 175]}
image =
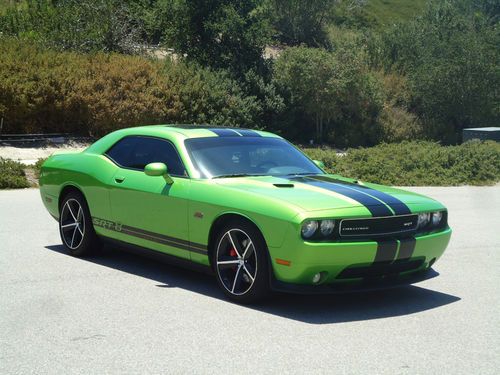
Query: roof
{"type": "Point", "coordinates": [197, 131]}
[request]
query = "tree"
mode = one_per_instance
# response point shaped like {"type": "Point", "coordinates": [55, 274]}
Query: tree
{"type": "Point", "coordinates": [332, 88]}
{"type": "Point", "coordinates": [450, 55]}
{"type": "Point", "coordinates": [222, 34]}
{"type": "Point", "coordinates": [301, 21]}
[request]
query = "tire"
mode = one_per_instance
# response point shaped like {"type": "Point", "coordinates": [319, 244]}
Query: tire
{"type": "Point", "coordinates": [240, 260]}
{"type": "Point", "coordinates": [75, 226]}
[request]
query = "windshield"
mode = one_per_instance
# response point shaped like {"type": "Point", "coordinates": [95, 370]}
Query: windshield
{"type": "Point", "coordinates": [243, 156]}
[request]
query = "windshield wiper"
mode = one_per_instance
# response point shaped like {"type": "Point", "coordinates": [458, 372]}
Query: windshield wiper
{"type": "Point", "coordinates": [237, 175]}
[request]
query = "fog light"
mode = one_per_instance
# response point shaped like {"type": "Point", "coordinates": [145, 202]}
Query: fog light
{"type": "Point", "coordinates": [436, 218]}
{"type": "Point", "coordinates": [316, 278]}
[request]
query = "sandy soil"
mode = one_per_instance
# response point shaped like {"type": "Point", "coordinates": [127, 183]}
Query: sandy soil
{"type": "Point", "coordinates": [30, 154]}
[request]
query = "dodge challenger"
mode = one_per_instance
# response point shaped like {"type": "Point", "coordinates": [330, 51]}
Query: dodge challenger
{"type": "Point", "coordinates": [245, 205]}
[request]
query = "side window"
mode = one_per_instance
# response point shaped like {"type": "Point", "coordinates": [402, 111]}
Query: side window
{"type": "Point", "coordinates": [136, 152]}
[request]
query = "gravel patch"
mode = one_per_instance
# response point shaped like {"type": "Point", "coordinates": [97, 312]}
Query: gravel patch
{"type": "Point", "coordinates": [29, 155]}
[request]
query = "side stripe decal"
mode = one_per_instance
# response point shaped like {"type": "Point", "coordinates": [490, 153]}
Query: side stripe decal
{"type": "Point", "coordinates": [151, 236]}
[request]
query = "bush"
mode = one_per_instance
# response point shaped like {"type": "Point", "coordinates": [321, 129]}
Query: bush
{"type": "Point", "coordinates": [48, 91]}
{"type": "Point", "coordinates": [84, 26]}
{"type": "Point", "coordinates": [397, 124]}
{"type": "Point", "coordinates": [37, 167]}
{"type": "Point", "coordinates": [12, 175]}
{"type": "Point", "coordinates": [331, 92]}
{"type": "Point", "coordinates": [417, 163]}
{"type": "Point", "coordinates": [450, 58]}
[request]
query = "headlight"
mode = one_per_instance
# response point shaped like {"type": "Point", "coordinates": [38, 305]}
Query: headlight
{"type": "Point", "coordinates": [423, 219]}
{"type": "Point", "coordinates": [436, 218]}
{"type": "Point", "coordinates": [326, 227]}
{"type": "Point", "coordinates": [309, 228]}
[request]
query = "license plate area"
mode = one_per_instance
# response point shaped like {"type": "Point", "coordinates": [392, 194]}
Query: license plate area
{"type": "Point", "coordinates": [378, 226]}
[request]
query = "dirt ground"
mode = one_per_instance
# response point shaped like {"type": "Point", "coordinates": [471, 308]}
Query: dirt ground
{"type": "Point", "coordinates": [29, 154]}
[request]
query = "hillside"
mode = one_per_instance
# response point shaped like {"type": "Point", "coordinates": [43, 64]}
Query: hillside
{"type": "Point", "coordinates": [386, 12]}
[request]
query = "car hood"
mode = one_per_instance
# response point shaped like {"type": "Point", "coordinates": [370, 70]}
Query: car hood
{"type": "Point", "coordinates": [324, 192]}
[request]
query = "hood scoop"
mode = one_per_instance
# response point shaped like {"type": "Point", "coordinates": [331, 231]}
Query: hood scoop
{"type": "Point", "coordinates": [284, 185]}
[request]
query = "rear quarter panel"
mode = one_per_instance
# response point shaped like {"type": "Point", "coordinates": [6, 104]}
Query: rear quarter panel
{"type": "Point", "coordinates": [89, 173]}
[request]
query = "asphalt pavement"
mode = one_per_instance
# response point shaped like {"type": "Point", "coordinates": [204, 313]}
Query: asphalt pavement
{"type": "Point", "coordinates": [121, 313]}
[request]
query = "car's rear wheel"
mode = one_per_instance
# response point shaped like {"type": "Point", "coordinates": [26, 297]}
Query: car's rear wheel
{"type": "Point", "coordinates": [241, 262]}
{"type": "Point", "coordinates": [75, 226]}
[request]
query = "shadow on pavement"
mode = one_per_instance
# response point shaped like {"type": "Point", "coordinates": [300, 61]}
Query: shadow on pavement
{"type": "Point", "coordinates": [313, 309]}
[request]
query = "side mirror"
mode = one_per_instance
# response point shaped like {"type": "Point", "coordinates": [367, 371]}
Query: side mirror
{"type": "Point", "coordinates": [319, 163]}
{"type": "Point", "coordinates": [158, 169]}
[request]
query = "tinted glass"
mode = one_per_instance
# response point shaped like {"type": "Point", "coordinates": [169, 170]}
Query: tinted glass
{"type": "Point", "coordinates": [218, 156]}
{"type": "Point", "coordinates": [137, 152]}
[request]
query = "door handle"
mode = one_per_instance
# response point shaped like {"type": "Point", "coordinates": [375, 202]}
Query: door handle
{"type": "Point", "coordinates": [119, 180]}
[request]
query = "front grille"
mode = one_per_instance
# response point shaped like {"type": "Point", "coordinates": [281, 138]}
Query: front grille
{"type": "Point", "coordinates": [380, 269]}
{"type": "Point", "coordinates": [378, 226]}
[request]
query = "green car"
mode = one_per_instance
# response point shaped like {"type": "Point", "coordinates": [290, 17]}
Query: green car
{"type": "Point", "coordinates": [244, 205]}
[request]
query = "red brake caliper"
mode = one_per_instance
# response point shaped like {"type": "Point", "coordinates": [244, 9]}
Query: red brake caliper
{"type": "Point", "coordinates": [232, 253]}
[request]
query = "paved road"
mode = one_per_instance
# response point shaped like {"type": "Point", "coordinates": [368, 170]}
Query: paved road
{"type": "Point", "coordinates": [120, 313]}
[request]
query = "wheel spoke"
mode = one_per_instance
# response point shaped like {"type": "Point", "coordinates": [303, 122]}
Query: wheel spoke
{"type": "Point", "coordinates": [228, 262]}
{"type": "Point", "coordinates": [248, 273]}
{"type": "Point", "coordinates": [79, 230]}
{"type": "Point", "coordinates": [71, 211]}
{"type": "Point", "coordinates": [238, 272]}
{"type": "Point", "coordinates": [236, 245]}
{"type": "Point", "coordinates": [80, 213]}
{"type": "Point", "coordinates": [73, 238]}
{"type": "Point", "coordinates": [69, 225]}
{"type": "Point", "coordinates": [247, 251]}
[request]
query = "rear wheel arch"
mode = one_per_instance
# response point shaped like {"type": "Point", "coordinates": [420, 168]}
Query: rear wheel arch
{"type": "Point", "coordinates": [69, 189]}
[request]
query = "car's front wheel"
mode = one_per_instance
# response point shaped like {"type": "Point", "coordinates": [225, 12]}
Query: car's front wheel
{"type": "Point", "coordinates": [75, 226]}
{"type": "Point", "coordinates": [241, 262]}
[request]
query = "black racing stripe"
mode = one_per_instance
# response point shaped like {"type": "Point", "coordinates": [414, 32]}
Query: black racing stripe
{"type": "Point", "coordinates": [151, 236]}
{"type": "Point", "coordinates": [248, 133]}
{"type": "Point", "coordinates": [155, 239]}
{"type": "Point", "coordinates": [386, 251]}
{"type": "Point", "coordinates": [375, 207]}
{"type": "Point", "coordinates": [225, 132]}
{"type": "Point", "coordinates": [167, 238]}
{"type": "Point", "coordinates": [394, 203]}
{"type": "Point", "coordinates": [406, 248]}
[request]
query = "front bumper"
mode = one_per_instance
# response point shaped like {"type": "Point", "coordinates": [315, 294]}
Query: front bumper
{"type": "Point", "coordinates": [366, 285]}
{"type": "Point", "coordinates": [344, 265]}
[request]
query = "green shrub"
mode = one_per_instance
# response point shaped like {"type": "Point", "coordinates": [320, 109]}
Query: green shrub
{"type": "Point", "coordinates": [333, 93]}
{"type": "Point", "coordinates": [417, 163]}
{"type": "Point", "coordinates": [84, 26]}
{"type": "Point", "coordinates": [38, 166]}
{"type": "Point", "coordinates": [12, 175]}
{"type": "Point", "coordinates": [48, 91]}
{"type": "Point", "coordinates": [397, 124]}
{"type": "Point", "coordinates": [450, 56]}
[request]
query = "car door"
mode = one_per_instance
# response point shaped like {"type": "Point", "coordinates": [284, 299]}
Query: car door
{"type": "Point", "coordinates": [145, 209]}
